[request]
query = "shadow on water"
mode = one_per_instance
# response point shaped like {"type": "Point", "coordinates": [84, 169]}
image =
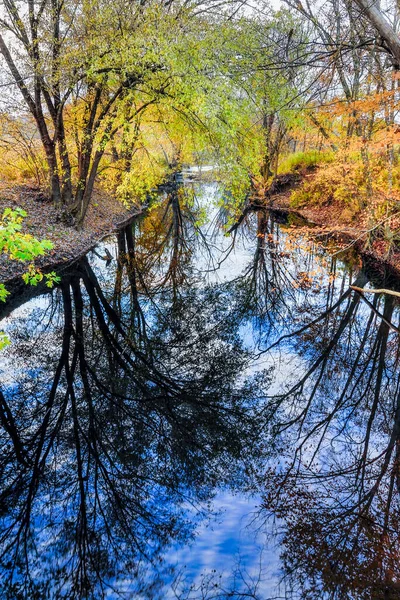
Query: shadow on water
{"type": "Point", "coordinates": [143, 388]}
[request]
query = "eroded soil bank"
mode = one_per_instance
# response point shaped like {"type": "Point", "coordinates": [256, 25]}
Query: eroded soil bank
{"type": "Point", "coordinates": [44, 221]}
{"type": "Point", "coordinates": [328, 224]}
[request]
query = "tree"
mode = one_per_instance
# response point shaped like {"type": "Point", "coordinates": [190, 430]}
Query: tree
{"type": "Point", "coordinates": [390, 40]}
{"type": "Point", "coordinates": [87, 70]}
{"type": "Point", "coordinates": [64, 54]}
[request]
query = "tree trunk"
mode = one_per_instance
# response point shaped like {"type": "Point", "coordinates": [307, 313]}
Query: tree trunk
{"type": "Point", "coordinates": [66, 190]}
{"type": "Point", "coordinates": [55, 188]}
{"type": "Point", "coordinates": [265, 170]}
{"type": "Point", "coordinates": [86, 194]}
{"type": "Point", "coordinates": [384, 28]}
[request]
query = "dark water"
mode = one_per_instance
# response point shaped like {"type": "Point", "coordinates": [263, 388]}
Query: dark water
{"type": "Point", "coordinates": [203, 416]}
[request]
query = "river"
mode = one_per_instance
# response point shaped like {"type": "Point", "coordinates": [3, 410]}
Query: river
{"type": "Point", "coordinates": [202, 416]}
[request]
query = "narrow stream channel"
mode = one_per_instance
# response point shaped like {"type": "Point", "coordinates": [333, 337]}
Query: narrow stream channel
{"type": "Point", "coordinates": [203, 416]}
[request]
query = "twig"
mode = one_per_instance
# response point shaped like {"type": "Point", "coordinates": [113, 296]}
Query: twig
{"type": "Point", "coordinates": [381, 291]}
{"type": "Point", "coordinates": [373, 308]}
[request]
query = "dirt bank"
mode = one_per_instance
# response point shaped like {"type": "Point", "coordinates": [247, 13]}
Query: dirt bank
{"type": "Point", "coordinates": [105, 215]}
{"type": "Point", "coordinates": [327, 223]}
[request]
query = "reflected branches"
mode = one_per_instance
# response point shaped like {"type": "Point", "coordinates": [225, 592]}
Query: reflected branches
{"type": "Point", "coordinates": [338, 491]}
{"type": "Point", "coordinates": [116, 433]}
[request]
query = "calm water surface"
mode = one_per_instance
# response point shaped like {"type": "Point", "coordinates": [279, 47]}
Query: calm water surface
{"type": "Point", "coordinates": [203, 416]}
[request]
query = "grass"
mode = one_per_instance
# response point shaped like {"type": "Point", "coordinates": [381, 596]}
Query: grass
{"type": "Point", "coordinates": [304, 160]}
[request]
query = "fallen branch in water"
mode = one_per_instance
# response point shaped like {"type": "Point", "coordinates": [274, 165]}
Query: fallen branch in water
{"type": "Point", "coordinates": [382, 291]}
{"type": "Point", "coordinates": [373, 308]}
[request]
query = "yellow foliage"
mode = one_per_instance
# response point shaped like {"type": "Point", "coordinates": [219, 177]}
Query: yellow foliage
{"type": "Point", "coordinates": [340, 183]}
{"type": "Point", "coordinates": [21, 152]}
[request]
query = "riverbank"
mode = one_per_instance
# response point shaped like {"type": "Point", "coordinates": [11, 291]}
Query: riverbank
{"type": "Point", "coordinates": [44, 221]}
{"type": "Point", "coordinates": [106, 215]}
{"type": "Point", "coordinates": [374, 241]}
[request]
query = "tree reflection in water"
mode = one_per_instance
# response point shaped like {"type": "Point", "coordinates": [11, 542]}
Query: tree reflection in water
{"type": "Point", "coordinates": [127, 403]}
{"type": "Point", "coordinates": [338, 425]}
{"type": "Point", "coordinates": [125, 413]}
